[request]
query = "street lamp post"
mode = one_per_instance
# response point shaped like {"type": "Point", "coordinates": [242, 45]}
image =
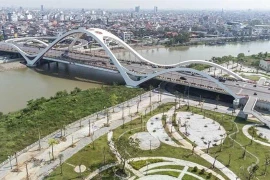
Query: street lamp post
{"type": "Point", "coordinates": [9, 157]}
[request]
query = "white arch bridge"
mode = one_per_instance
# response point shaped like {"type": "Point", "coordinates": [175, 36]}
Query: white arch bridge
{"type": "Point", "coordinates": [102, 37]}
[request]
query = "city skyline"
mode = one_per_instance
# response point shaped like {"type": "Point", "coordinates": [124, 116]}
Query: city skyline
{"type": "Point", "coordinates": [150, 4]}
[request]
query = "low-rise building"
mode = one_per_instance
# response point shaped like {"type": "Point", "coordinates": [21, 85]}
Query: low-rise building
{"type": "Point", "coordinates": [127, 36]}
{"type": "Point", "coordinates": [265, 64]}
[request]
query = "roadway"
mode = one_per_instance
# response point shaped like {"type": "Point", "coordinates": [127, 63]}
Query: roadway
{"type": "Point", "coordinates": [99, 59]}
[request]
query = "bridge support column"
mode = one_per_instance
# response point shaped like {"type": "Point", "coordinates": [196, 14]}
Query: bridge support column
{"type": "Point", "coordinates": [56, 64]}
{"type": "Point", "coordinates": [31, 65]}
{"type": "Point", "coordinates": [49, 65]}
{"type": "Point", "coordinates": [236, 103]}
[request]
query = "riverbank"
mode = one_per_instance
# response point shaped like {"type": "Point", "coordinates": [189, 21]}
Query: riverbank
{"type": "Point", "coordinates": [137, 48]}
{"type": "Point", "coordinates": [19, 129]}
{"type": "Point", "coordinates": [11, 66]}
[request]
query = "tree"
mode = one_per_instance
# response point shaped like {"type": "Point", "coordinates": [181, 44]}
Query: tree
{"type": "Point", "coordinates": [75, 91]}
{"type": "Point", "coordinates": [60, 156]}
{"type": "Point", "coordinates": [51, 143]}
{"type": "Point", "coordinates": [266, 54]}
{"type": "Point", "coordinates": [240, 56]}
{"type": "Point", "coordinates": [113, 100]}
{"type": "Point", "coordinates": [122, 144]}
{"type": "Point", "coordinates": [193, 147]}
{"type": "Point", "coordinates": [253, 171]}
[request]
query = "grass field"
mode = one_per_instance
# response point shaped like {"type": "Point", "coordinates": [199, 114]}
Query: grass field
{"type": "Point", "coordinates": [90, 156]}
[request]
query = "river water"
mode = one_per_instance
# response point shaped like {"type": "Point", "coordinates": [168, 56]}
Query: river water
{"type": "Point", "coordinates": [201, 52]}
{"type": "Point", "coordinates": [19, 86]}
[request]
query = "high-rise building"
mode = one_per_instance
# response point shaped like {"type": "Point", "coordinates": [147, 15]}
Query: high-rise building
{"type": "Point", "coordinates": [137, 9]}
{"type": "Point", "coordinates": [155, 9]}
{"type": "Point", "coordinates": [9, 16]}
{"type": "Point", "coordinates": [41, 8]}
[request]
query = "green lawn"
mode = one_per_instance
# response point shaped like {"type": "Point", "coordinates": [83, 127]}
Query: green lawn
{"type": "Point", "coordinates": [188, 177]}
{"type": "Point", "coordinates": [251, 77]}
{"type": "Point", "coordinates": [168, 173]}
{"type": "Point", "coordinates": [170, 167]}
{"type": "Point", "coordinates": [238, 164]}
{"type": "Point", "coordinates": [139, 164]}
{"type": "Point", "coordinates": [90, 156]}
{"type": "Point", "coordinates": [20, 129]}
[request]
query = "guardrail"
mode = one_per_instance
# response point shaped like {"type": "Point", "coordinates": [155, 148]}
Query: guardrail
{"type": "Point", "coordinates": [87, 118]}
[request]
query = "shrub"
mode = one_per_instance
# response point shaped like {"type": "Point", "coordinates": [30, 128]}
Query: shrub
{"type": "Point", "coordinates": [209, 176]}
{"type": "Point", "coordinates": [202, 171]}
{"type": "Point", "coordinates": [195, 169]}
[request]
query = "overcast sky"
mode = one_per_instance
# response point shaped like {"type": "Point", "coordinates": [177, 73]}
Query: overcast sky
{"type": "Point", "coordinates": [145, 4]}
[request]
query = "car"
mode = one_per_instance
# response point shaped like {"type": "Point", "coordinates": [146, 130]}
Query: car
{"type": "Point", "coordinates": [254, 85]}
{"type": "Point", "coordinates": [255, 94]}
{"type": "Point", "coordinates": [268, 88]}
{"type": "Point", "coordinates": [183, 78]}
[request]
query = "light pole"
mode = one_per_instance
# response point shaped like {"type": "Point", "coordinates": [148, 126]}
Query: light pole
{"type": "Point", "coordinates": [9, 157]}
{"type": "Point", "coordinates": [39, 145]}
{"type": "Point", "coordinates": [27, 175]}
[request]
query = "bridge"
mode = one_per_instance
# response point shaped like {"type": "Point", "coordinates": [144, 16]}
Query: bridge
{"type": "Point", "coordinates": [134, 72]}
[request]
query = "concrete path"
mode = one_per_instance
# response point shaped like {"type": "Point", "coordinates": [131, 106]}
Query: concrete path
{"type": "Point", "coordinates": [156, 129]}
{"type": "Point", "coordinates": [181, 175]}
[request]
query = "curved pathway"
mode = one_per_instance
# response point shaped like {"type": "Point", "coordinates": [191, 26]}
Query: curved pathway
{"type": "Point", "coordinates": [172, 161]}
{"type": "Point", "coordinates": [245, 132]}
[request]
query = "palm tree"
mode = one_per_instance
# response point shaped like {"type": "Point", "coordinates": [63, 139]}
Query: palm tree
{"type": "Point", "coordinates": [52, 142]}
{"type": "Point", "coordinates": [60, 156]}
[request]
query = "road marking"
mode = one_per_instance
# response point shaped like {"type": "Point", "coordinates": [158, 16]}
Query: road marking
{"type": "Point", "coordinates": [240, 91]}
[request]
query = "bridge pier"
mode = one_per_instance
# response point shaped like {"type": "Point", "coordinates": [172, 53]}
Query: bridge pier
{"type": "Point", "coordinates": [31, 65]}
{"type": "Point", "coordinates": [57, 64]}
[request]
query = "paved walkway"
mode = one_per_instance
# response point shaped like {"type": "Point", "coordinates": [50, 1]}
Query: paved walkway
{"type": "Point", "coordinates": [156, 129]}
{"type": "Point", "coordinates": [79, 136]}
{"type": "Point", "coordinates": [245, 132]}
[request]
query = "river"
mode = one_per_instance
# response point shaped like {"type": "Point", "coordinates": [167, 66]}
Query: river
{"type": "Point", "coordinates": [19, 86]}
{"type": "Point", "coordinates": [201, 52]}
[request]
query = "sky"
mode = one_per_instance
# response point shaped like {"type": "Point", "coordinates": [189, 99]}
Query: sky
{"type": "Point", "coordinates": [144, 4]}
